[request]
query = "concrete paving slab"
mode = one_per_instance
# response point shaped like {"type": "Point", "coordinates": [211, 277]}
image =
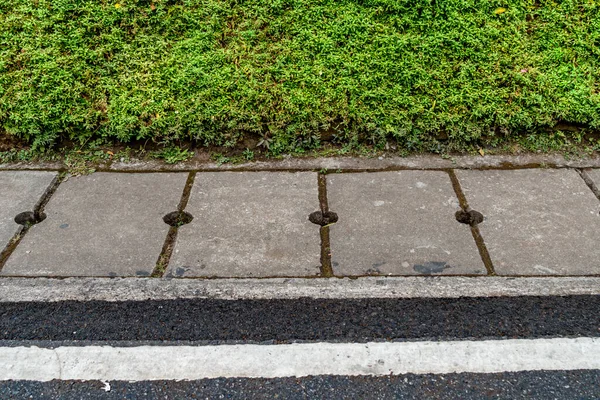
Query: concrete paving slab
{"type": "Point", "coordinates": [249, 224]}
{"type": "Point", "coordinates": [537, 221]}
{"type": "Point", "coordinates": [399, 223]}
{"type": "Point", "coordinates": [104, 224]}
{"type": "Point", "coordinates": [19, 191]}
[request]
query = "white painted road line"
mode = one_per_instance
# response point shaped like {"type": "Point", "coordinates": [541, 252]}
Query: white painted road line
{"type": "Point", "coordinates": [270, 361]}
{"type": "Point", "coordinates": [140, 289]}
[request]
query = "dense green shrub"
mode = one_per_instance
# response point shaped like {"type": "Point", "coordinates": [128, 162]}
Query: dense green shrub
{"type": "Point", "coordinates": [215, 71]}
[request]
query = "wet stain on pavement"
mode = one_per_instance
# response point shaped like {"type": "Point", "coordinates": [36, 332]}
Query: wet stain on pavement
{"type": "Point", "coordinates": [180, 271]}
{"type": "Point", "coordinates": [431, 267]}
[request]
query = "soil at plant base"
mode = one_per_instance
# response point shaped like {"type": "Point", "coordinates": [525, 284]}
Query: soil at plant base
{"type": "Point", "coordinates": [147, 149]}
{"type": "Point", "coordinates": [10, 142]}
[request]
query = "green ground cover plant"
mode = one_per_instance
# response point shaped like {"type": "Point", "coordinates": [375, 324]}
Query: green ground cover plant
{"type": "Point", "coordinates": [292, 72]}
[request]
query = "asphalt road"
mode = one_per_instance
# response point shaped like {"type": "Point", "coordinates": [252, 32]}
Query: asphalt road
{"type": "Point", "coordinates": [281, 321]}
{"type": "Point", "coordinates": [205, 322]}
{"type": "Point", "coordinates": [544, 385]}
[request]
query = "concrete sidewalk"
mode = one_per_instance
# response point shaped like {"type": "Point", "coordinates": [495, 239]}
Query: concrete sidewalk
{"type": "Point", "coordinates": [270, 224]}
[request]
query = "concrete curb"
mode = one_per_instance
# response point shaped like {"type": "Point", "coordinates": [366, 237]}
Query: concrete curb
{"type": "Point", "coordinates": [140, 289]}
{"type": "Point", "coordinates": [346, 164]}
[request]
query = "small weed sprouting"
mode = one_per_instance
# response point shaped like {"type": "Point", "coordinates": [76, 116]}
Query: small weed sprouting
{"type": "Point", "coordinates": [173, 155]}
{"type": "Point", "coordinates": [220, 159]}
{"type": "Point", "coordinates": [265, 142]}
{"type": "Point", "coordinates": [248, 155]}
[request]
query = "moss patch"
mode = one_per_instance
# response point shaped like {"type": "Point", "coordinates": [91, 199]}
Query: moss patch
{"type": "Point", "coordinates": [291, 72]}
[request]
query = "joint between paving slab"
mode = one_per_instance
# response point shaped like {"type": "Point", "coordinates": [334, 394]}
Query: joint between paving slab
{"type": "Point", "coordinates": [167, 250]}
{"type": "Point", "coordinates": [589, 182]}
{"type": "Point", "coordinates": [49, 192]}
{"type": "Point", "coordinates": [187, 190]}
{"type": "Point", "coordinates": [481, 247]}
{"type": "Point", "coordinates": [326, 266]}
{"type": "Point", "coordinates": [38, 210]}
{"type": "Point", "coordinates": [306, 277]}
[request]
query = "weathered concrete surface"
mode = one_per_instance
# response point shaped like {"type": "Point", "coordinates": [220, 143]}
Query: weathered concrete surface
{"type": "Point", "coordinates": [249, 224]}
{"type": "Point", "coordinates": [537, 222]}
{"type": "Point", "coordinates": [399, 223]}
{"type": "Point", "coordinates": [19, 191]}
{"type": "Point", "coordinates": [104, 224]}
{"type": "Point", "coordinates": [384, 162]}
{"type": "Point", "coordinates": [371, 287]}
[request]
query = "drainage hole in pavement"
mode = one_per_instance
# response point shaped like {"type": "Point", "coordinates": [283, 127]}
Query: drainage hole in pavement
{"type": "Point", "coordinates": [178, 218]}
{"type": "Point", "coordinates": [469, 217]}
{"type": "Point", "coordinates": [323, 219]}
{"type": "Point", "coordinates": [29, 218]}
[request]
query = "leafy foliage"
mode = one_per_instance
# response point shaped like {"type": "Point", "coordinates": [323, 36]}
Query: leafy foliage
{"type": "Point", "coordinates": [214, 71]}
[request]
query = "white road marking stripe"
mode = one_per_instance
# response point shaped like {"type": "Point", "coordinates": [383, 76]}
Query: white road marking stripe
{"type": "Point", "coordinates": [107, 363]}
{"type": "Point", "coordinates": [138, 289]}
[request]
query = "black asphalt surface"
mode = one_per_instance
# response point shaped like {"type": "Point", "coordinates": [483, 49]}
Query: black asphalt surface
{"type": "Point", "coordinates": [280, 321]}
{"type": "Point", "coordinates": [545, 385]}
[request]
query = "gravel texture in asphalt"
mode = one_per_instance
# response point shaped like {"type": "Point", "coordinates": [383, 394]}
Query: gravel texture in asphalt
{"type": "Point", "coordinates": [280, 321]}
{"type": "Point", "coordinates": [521, 385]}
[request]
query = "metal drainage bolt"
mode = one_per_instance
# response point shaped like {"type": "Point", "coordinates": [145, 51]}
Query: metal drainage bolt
{"type": "Point", "coordinates": [29, 218]}
{"type": "Point", "coordinates": [178, 218]}
{"type": "Point", "coordinates": [323, 219]}
{"type": "Point", "coordinates": [470, 217]}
